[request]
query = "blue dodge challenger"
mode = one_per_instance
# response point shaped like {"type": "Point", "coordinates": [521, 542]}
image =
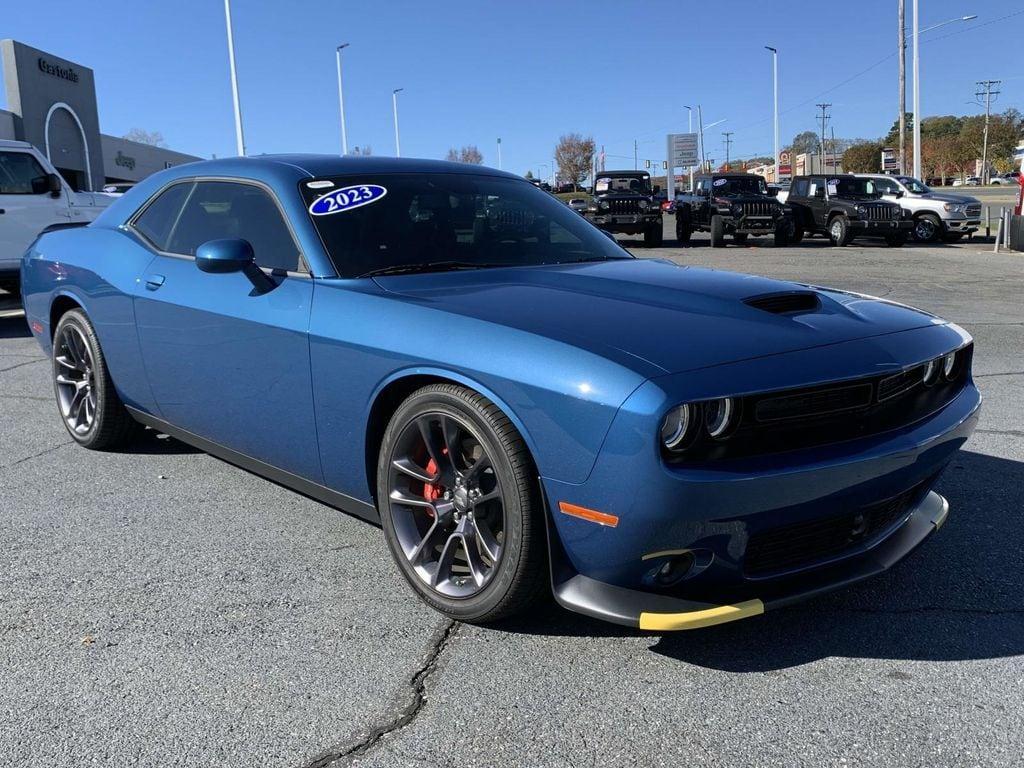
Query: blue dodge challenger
{"type": "Point", "coordinates": [518, 402]}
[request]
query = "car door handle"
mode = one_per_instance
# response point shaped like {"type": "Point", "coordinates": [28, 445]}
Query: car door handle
{"type": "Point", "coordinates": [153, 282]}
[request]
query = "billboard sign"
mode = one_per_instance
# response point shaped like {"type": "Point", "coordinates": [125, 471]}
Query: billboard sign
{"type": "Point", "coordinates": [890, 161]}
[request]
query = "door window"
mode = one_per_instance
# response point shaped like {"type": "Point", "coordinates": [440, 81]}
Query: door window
{"type": "Point", "coordinates": [225, 209]}
{"type": "Point", "coordinates": [21, 174]}
{"type": "Point", "coordinates": [157, 221]}
{"type": "Point", "coordinates": [800, 188]}
{"type": "Point", "coordinates": [885, 186]}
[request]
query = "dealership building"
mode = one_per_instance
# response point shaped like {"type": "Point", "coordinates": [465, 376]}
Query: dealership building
{"type": "Point", "coordinates": [51, 103]}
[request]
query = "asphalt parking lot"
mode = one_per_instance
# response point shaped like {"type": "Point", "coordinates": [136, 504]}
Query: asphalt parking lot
{"type": "Point", "coordinates": [163, 608]}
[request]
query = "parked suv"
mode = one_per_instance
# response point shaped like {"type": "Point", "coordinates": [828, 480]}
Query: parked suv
{"type": "Point", "coordinates": [33, 197]}
{"type": "Point", "coordinates": [936, 215]}
{"type": "Point", "coordinates": [624, 202]}
{"type": "Point", "coordinates": [844, 207]}
{"type": "Point", "coordinates": [736, 204]}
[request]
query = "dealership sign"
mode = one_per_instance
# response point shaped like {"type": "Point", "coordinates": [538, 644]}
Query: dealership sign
{"type": "Point", "coordinates": [890, 162]}
{"type": "Point", "coordinates": [56, 70]}
{"type": "Point", "coordinates": [683, 149]}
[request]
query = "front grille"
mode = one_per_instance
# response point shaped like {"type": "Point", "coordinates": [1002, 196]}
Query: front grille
{"type": "Point", "coordinates": [810, 404]}
{"type": "Point", "coordinates": [792, 546]}
{"type": "Point", "coordinates": [973, 210]}
{"type": "Point", "coordinates": [881, 212]}
{"type": "Point", "coordinates": [790, 302]}
{"type": "Point", "coordinates": [760, 208]}
{"type": "Point", "coordinates": [894, 386]}
{"type": "Point", "coordinates": [623, 207]}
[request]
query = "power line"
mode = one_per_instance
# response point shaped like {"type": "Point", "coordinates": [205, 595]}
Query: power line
{"type": "Point", "coordinates": [824, 120]}
{"type": "Point", "coordinates": [728, 142]}
{"type": "Point", "coordinates": [988, 94]}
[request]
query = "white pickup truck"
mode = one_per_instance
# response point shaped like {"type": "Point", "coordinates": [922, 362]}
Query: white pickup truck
{"type": "Point", "coordinates": [33, 196]}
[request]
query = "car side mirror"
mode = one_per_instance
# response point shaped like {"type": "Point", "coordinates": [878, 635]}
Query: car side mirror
{"type": "Point", "coordinates": [53, 185]}
{"type": "Point", "coordinates": [899, 193]}
{"type": "Point", "coordinates": [218, 257]}
{"type": "Point", "coordinates": [819, 193]}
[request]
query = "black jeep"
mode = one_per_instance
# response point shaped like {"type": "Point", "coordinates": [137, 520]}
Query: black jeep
{"type": "Point", "coordinates": [843, 207]}
{"type": "Point", "coordinates": [624, 202]}
{"type": "Point", "coordinates": [736, 204]}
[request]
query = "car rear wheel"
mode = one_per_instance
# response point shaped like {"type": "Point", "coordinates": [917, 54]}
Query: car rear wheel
{"type": "Point", "coordinates": [717, 232]}
{"type": "Point", "coordinates": [89, 405]}
{"type": "Point", "coordinates": [458, 505]}
{"type": "Point", "coordinates": [839, 231]}
{"type": "Point", "coordinates": [683, 227]}
{"type": "Point", "coordinates": [653, 236]}
{"type": "Point", "coordinates": [797, 236]}
{"type": "Point", "coordinates": [927, 228]}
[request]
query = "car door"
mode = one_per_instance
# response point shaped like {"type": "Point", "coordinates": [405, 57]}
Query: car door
{"type": "Point", "coordinates": [700, 206]}
{"type": "Point", "coordinates": [26, 205]}
{"type": "Point", "coordinates": [817, 201]}
{"type": "Point", "coordinates": [226, 361]}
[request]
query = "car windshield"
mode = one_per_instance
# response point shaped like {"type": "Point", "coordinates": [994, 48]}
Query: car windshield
{"type": "Point", "coordinates": [913, 185]}
{"type": "Point", "coordinates": [422, 222]}
{"type": "Point", "coordinates": [739, 186]}
{"type": "Point", "coordinates": [853, 188]}
{"type": "Point", "coordinates": [640, 185]}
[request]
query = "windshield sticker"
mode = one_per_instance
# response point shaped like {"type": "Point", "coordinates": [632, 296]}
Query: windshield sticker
{"type": "Point", "coordinates": [833, 186]}
{"type": "Point", "coordinates": [347, 199]}
{"type": "Point", "coordinates": [721, 182]}
{"type": "Point", "coordinates": [602, 185]}
{"type": "Point", "coordinates": [322, 184]}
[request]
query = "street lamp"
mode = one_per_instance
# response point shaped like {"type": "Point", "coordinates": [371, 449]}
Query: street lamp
{"type": "Point", "coordinates": [239, 138]}
{"type": "Point", "coordinates": [394, 109]}
{"type": "Point", "coordinates": [775, 92]}
{"type": "Point", "coordinates": [689, 129]}
{"type": "Point", "coordinates": [499, 153]}
{"type": "Point", "coordinates": [341, 102]}
{"type": "Point", "coordinates": [917, 79]}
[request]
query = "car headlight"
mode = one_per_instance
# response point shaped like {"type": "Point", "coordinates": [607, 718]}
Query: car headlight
{"type": "Point", "coordinates": [862, 210]}
{"type": "Point", "coordinates": [931, 372]}
{"type": "Point", "coordinates": [719, 416]}
{"type": "Point", "coordinates": [737, 210]}
{"type": "Point", "coordinates": [643, 205]}
{"type": "Point", "coordinates": [677, 429]}
{"type": "Point", "coordinates": [954, 207]}
{"type": "Point", "coordinates": [949, 366]}
{"type": "Point", "coordinates": [603, 205]}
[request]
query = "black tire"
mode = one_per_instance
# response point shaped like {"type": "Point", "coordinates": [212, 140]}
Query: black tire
{"type": "Point", "coordinates": [684, 228]}
{"type": "Point", "coordinates": [839, 231]}
{"type": "Point", "coordinates": [953, 237]}
{"type": "Point", "coordinates": [897, 240]}
{"type": "Point", "coordinates": [654, 236]}
{"type": "Point", "coordinates": [927, 228]}
{"type": "Point", "coordinates": [11, 286]}
{"type": "Point", "coordinates": [797, 236]}
{"type": "Point", "coordinates": [520, 573]}
{"type": "Point", "coordinates": [112, 426]}
{"type": "Point", "coordinates": [740, 238]}
{"type": "Point", "coordinates": [717, 232]}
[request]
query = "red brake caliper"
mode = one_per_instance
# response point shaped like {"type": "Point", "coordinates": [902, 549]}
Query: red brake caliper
{"type": "Point", "coordinates": [431, 491]}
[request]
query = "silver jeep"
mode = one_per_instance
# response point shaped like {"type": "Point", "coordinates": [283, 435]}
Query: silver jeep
{"type": "Point", "coordinates": [937, 215]}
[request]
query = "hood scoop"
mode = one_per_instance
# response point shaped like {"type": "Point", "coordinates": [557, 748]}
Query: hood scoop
{"type": "Point", "coordinates": [785, 303]}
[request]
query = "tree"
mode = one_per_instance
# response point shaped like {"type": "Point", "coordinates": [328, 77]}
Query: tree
{"type": "Point", "coordinates": [528, 175]}
{"type": "Point", "coordinates": [943, 156]}
{"type": "Point", "coordinates": [574, 155]}
{"type": "Point", "coordinates": [806, 142]}
{"type": "Point", "coordinates": [365, 151]}
{"type": "Point", "coordinates": [863, 157]}
{"type": "Point", "coordinates": [467, 154]}
{"type": "Point", "coordinates": [140, 136]}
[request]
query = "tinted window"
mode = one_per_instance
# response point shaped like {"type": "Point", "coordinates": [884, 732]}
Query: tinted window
{"type": "Point", "coordinates": [157, 220]}
{"type": "Point", "coordinates": [799, 188]}
{"type": "Point", "coordinates": [221, 209]}
{"type": "Point", "coordinates": [424, 222]}
{"type": "Point", "coordinates": [736, 185]}
{"type": "Point", "coordinates": [20, 174]}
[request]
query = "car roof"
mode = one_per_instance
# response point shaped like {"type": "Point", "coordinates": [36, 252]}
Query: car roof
{"type": "Point", "coordinates": [730, 174]}
{"type": "Point", "coordinates": [623, 173]}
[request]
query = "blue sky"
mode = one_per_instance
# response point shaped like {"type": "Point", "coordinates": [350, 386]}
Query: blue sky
{"type": "Point", "coordinates": [526, 71]}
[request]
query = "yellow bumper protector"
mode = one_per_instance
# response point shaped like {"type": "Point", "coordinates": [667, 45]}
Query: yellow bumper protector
{"type": "Point", "coordinates": [706, 617]}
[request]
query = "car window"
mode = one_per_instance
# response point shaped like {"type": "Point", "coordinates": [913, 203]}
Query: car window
{"type": "Point", "coordinates": [815, 185]}
{"type": "Point", "coordinates": [427, 221]}
{"type": "Point", "coordinates": [21, 174]}
{"type": "Point", "coordinates": [226, 209]}
{"type": "Point", "coordinates": [158, 218]}
{"type": "Point", "coordinates": [799, 188]}
{"type": "Point", "coordinates": [886, 186]}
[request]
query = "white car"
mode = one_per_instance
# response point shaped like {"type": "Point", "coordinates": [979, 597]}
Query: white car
{"type": "Point", "coordinates": [1003, 180]}
{"type": "Point", "coordinates": [937, 215]}
{"type": "Point", "coordinates": [33, 197]}
{"type": "Point", "coordinates": [970, 181]}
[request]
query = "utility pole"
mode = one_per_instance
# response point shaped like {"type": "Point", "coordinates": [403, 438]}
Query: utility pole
{"type": "Point", "coordinates": [824, 119]}
{"type": "Point", "coordinates": [917, 92]}
{"type": "Point", "coordinates": [902, 23]}
{"type": "Point", "coordinates": [775, 102]}
{"type": "Point", "coordinates": [987, 93]}
{"type": "Point", "coordinates": [727, 141]}
{"type": "Point", "coordinates": [700, 127]}
{"type": "Point", "coordinates": [239, 137]}
{"type": "Point", "coordinates": [499, 153]}
{"type": "Point", "coordinates": [394, 109]}
{"type": "Point", "coordinates": [636, 163]}
{"type": "Point", "coordinates": [341, 101]}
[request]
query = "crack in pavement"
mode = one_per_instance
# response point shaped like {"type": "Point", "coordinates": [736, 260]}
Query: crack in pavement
{"type": "Point", "coordinates": [35, 455]}
{"type": "Point", "coordinates": [1004, 373]}
{"type": "Point", "coordinates": [403, 716]}
{"type": "Point", "coordinates": [1009, 432]}
{"type": "Point", "coordinates": [19, 365]}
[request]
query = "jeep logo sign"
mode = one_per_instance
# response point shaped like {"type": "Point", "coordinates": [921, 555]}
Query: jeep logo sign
{"type": "Point", "coordinates": [124, 161]}
{"type": "Point", "coordinates": [55, 70]}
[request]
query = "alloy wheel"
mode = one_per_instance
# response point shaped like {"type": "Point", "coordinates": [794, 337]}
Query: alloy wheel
{"type": "Point", "coordinates": [836, 230]}
{"type": "Point", "coordinates": [924, 230]}
{"type": "Point", "coordinates": [446, 504]}
{"type": "Point", "coordinates": [75, 377]}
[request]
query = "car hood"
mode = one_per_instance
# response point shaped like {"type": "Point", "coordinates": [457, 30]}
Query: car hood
{"type": "Point", "coordinates": [946, 197]}
{"type": "Point", "coordinates": [652, 315]}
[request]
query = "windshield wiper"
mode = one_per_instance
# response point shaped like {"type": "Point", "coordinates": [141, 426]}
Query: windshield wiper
{"type": "Point", "coordinates": [435, 266]}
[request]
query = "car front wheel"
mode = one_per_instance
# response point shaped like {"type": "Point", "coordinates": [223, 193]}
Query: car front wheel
{"type": "Point", "coordinates": [459, 507]}
{"type": "Point", "coordinates": [89, 405]}
{"type": "Point", "coordinates": [717, 232]}
{"type": "Point", "coordinates": [927, 228]}
{"type": "Point", "coordinates": [839, 231]}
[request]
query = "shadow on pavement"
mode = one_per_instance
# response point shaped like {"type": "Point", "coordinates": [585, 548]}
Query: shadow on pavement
{"type": "Point", "coordinates": [152, 443]}
{"type": "Point", "coordinates": [14, 328]}
{"type": "Point", "coordinates": [958, 597]}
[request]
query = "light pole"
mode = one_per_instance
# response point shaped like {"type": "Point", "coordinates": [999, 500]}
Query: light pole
{"type": "Point", "coordinates": [499, 153]}
{"type": "Point", "coordinates": [239, 138]}
{"type": "Point", "coordinates": [775, 99]}
{"type": "Point", "coordinates": [917, 79]}
{"type": "Point", "coordinates": [394, 109]}
{"type": "Point", "coordinates": [689, 129]}
{"type": "Point", "coordinates": [341, 102]}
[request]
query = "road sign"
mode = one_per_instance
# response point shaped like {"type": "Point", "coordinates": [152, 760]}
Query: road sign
{"type": "Point", "coordinates": [684, 149]}
{"type": "Point", "coordinates": [890, 162]}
